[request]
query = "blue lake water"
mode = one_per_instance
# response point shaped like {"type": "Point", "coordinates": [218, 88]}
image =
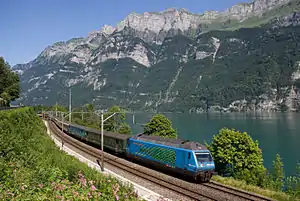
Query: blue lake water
{"type": "Point", "coordinates": [276, 132]}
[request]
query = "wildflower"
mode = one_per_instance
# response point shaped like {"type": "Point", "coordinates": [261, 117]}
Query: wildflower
{"type": "Point", "coordinates": [22, 188]}
{"type": "Point", "coordinates": [41, 185]}
{"type": "Point", "coordinates": [117, 187]}
{"type": "Point", "coordinates": [117, 197]}
{"type": "Point", "coordinates": [93, 188]}
{"type": "Point", "coordinates": [9, 193]}
{"type": "Point", "coordinates": [83, 181]}
{"type": "Point", "coordinates": [60, 187]}
{"type": "Point", "coordinates": [59, 197]}
{"type": "Point", "coordinates": [99, 194]}
{"type": "Point", "coordinates": [75, 193]}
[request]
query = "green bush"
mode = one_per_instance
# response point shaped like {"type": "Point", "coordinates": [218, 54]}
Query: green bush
{"type": "Point", "coordinates": [33, 168]}
{"type": "Point", "coordinates": [160, 126]}
{"type": "Point", "coordinates": [236, 154]}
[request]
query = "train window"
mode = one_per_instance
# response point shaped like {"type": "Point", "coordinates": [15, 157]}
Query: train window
{"type": "Point", "coordinates": [189, 155]}
{"type": "Point", "coordinates": [203, 157]}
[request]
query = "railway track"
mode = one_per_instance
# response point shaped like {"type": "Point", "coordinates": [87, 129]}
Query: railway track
{"type": "Point", "coordinates": [238, 192]}
{"type": "Point", "coordinates": [208, 191]}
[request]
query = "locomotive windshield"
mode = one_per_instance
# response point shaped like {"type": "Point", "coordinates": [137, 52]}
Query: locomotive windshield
{"type": "Point", "coordinates": [203, 157]}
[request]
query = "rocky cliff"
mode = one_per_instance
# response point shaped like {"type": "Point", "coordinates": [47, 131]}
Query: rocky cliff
{"type": "Point", "coordinates": [177, 60]}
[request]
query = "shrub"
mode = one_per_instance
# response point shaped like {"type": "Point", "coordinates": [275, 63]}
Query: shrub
{"type": "Point", "coordinates": [236, 154]}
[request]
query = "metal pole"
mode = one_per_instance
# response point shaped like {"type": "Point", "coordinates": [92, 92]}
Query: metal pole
{"type": "Point", "coordinates": [62, 124]}
{"type": "Point", "coordinates": [70, 106]}
{"type": "Point", "coordinates": [102, 156]}
{"type": "Point", "coordinates": [133, 119]}
{"type": "Point", "coordinates": [56, 109]}
{"type": "Point", "coordinates": [62, 129]}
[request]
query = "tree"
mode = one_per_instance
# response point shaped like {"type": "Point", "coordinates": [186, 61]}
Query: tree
{"type": "Point", "coordinates": [9, 84]}
{"type": "Point", "coordinates": [89, 107]}
{"type": "Point", "coordinates": [90, 118]}
{"type": "Point", "coordinates": [124, 129]}
{"type": "Point", "coordinates": [39, 108]}
{"type": "Point", "coordinates": [160, 126]}
{"type": "Point", "coordinates": [278, 174]}
{"type": "Point", "coordinates": [117, 122]}
{"type": "Point", "coordinates": [236, 154]}
{"type": "Point", "coordinates": [59, 108]}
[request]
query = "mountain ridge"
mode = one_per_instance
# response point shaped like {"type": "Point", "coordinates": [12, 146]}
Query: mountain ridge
{"type": "Point", "coordinates": [236, 10]}
{"type": "Point", "coordinates": [116, 65]}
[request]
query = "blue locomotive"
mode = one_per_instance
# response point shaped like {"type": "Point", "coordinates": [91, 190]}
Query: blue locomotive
{"type": "Point", "coordinates": [182, 157]}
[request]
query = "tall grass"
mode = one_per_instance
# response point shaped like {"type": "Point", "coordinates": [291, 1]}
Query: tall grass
{"type": "Point", "coordinates": [278, 195]}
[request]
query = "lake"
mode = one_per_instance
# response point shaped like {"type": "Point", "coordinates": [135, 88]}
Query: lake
{"type": "Point", "coordinates": [275, 132]}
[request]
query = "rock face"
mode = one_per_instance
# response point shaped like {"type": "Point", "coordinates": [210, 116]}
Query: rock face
{"type": "Point", "coordinates": [171, 60]}
{"type": "Point", "coordinates": [255, 8]}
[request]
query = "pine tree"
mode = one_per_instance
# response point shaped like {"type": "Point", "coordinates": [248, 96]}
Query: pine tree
{"type": "Point", "coordinates": [278, 173]}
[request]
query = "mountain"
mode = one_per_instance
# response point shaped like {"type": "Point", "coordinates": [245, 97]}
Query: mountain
{"type": "Point", "coordinates": [245, 58]}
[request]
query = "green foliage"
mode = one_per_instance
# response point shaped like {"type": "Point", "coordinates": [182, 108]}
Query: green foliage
{"type": "Point", "coordinates": [124, 129]}
{"type": "Point", "coordinates": [86, 116]}
{"type": "Point", "coordinates": [33, 168]}
{"type": "Point", "coordinates": [9, 84]}
{"type": "Point", "coordinates": [59, 108]}
{"type": "Point", "coordinates": [116, 123]}
{"type": "Point", "coordinates": [277, 174]}
{"type": "Point", "coordinates": [240, 184]}
{"type": "Point", "coordinates": [161, 126]}
{"type": "Point", "coordinates": [293, 183]}
{"type": "Point", "coordinates": [89, 107]}
{"type": "Point", "coordinates": [235, 153]}
{"type": "Point", "coordinates": [40, 108]}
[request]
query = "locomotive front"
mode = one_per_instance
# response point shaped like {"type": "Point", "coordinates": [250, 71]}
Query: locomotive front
{"type": "Point", "coordinates": [205, 165]}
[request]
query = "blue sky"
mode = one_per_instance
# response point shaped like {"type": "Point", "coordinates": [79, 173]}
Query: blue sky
{"type": "Point", "coordinates": [29, 26]}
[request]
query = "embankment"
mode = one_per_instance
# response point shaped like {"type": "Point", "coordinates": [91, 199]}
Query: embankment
{"type": "Point", "coordinates": [33, 168]}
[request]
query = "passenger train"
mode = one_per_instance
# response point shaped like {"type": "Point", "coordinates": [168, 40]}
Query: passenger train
{"type": "Point", "coordinates": [185, 158]}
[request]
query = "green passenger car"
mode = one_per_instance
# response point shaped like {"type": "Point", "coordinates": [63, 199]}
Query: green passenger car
{"type": "Point", "coordinates": [112, 141]}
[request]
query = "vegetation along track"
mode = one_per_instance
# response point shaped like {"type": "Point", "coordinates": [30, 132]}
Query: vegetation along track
{"type": "Point", "coordinates": [208, 191]}
{"type": "Point", "coordinates": [238, 192]}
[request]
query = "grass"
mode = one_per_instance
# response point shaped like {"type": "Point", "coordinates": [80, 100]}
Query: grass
{"type": "Point", "coordinates": [281, 196]}
{"type": "Point", "coordinates": [33, 168]}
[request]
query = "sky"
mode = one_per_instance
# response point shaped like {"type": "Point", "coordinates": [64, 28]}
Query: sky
{"type": "Point", "coordinates": [28, 27]}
